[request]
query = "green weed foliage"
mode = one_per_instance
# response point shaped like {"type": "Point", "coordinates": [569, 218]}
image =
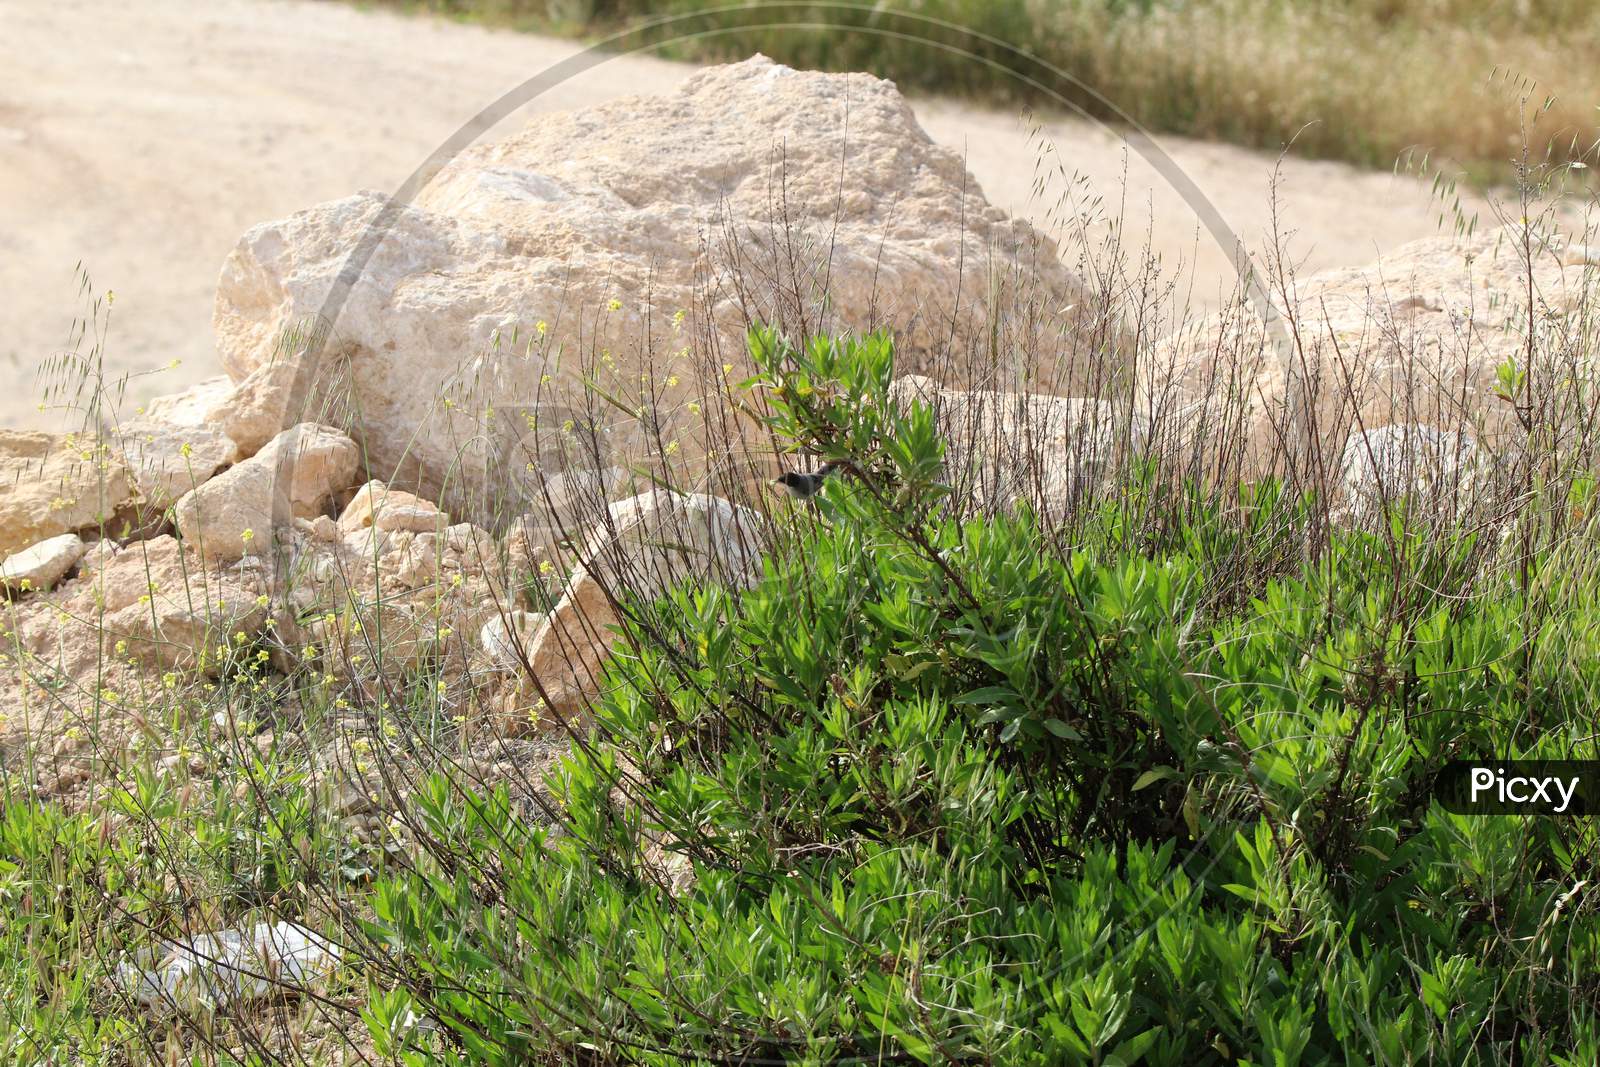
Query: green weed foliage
{"type": "Point", "coordinates": [941, 788]}
{"type": "Point", "coordinates": [81, 892]}
{"type": "Point", "coordinates": [1371, 82]}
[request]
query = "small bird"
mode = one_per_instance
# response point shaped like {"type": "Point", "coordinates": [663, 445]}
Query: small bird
{"type": "Point", "coordinates": [803, 486]}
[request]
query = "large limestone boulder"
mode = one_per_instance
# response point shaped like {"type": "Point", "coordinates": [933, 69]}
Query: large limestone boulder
{"type": "Point", "coordinates": [1004, 449]}
{"type": "Point", "coordinates": [755, 192]}
{"type": "Point", "coordinates": [1415, 338]}
{"type": "Point", "coordinates": [295, 474]}
{"type": "Point", "coordinates": [646, 544]}
{"type": "Point", "coordinates": [52, 484]}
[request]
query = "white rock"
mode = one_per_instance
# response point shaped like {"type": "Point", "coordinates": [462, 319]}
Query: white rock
{"type": "Point", "coordinates": [1417, 336]}
{"type": "Point", "coordinates": [506, 638]}
{"type": "Point", "coordinates": [1579, 255]}
{"type": "Point", "coordinates": [1005, 448]}
{"type": "Point", "coordinates": [192, 407]}
{"type": "Point", "coordinates": [39, 567]}
{"type": "Point", "coordinates": [251, 413]}
{"type": "Point", "coordinates": [276, 395]}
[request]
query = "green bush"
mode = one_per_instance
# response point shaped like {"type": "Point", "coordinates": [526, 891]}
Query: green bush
{"type": "Point", "coordinates": [936, 790]}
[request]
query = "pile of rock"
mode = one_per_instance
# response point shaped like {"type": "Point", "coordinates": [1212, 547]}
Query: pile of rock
{"type": "Point", "coordinates": [451, 349]}
{"type": "Point", "coordinates": [640, 237]}
{"type": "Point", "coordinates": [291, 558]}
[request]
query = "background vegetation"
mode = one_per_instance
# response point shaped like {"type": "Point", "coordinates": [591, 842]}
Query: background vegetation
{"type": "Point", "coordinates": [1365, 81]}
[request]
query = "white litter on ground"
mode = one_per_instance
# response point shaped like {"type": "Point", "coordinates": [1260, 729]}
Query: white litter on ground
{"type": "Point", "coordinates": [227, 967]}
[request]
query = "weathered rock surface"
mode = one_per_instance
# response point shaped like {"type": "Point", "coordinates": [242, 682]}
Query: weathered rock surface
{"type": "Point", "coordinates": [1006, 448]}
{"type": "Point", "coordinates": [169, 607]}
{"type": "Point", "coordinates": [1416, 337]}
{"type": "Point", "coordinates": [576, 239]}
{"type": "Point", "coordinates": [294, 475]}
{"type": "Point", "coordinates": [507, 636]}
{"type": "Point", "coordinates": [168, 460]}
{"type": "Point", "coordinates": [52, 484]}
{"type": "Point", "coordinates": [40, 566]}
{"type": "Point", "coordinates": [195, 406]}
{"type": "Point", "coordinates": [254, 411]}
{"type": "Point", "coordinates": [274, 395]}
{"type": "Point", "coordinates": [647, 543]}
{"type": "Point", "coordinates": [377, 506]}
{"type": "Point", "coordinates": [154, 602]}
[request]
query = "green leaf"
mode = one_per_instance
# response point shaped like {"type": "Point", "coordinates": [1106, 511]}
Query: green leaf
{"type": "Point", "coordinates": [1129, 1052]}
{"type": "Point", "coordinates": [1152, 776]}
{"type": "Point", "coordinates": [1191, 814]}
{"type": "Point", "coordinates": [989, 694]}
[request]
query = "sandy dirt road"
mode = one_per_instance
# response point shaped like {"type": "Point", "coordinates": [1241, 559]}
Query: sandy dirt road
{"type": "Point", "coordinates": [141, 139]}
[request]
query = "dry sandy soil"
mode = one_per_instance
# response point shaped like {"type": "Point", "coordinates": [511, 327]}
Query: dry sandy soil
{"type": "Point", "coordinates": [142, 139]}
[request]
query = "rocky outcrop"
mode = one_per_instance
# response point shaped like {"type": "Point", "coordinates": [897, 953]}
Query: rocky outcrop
{"type": "Point", "coordinates": [1417, 337]}
{"type": "Point", "coordinates": [52, 484]}
{"type": "Point", "coordinates": [599, 242]}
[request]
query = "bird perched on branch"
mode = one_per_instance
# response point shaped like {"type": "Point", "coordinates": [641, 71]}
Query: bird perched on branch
{"type": "Point", "coordinates": [802, 485]}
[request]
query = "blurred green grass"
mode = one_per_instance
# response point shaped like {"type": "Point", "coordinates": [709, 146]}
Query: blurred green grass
{"type": "Point", "coordinates": [1371, 82]}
